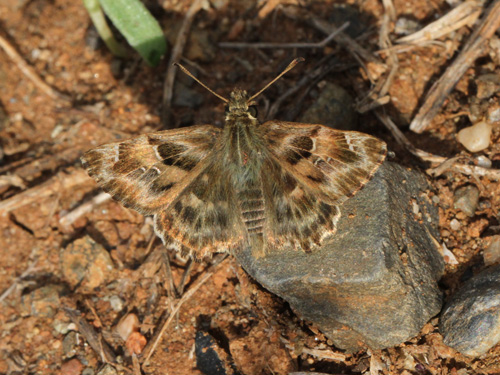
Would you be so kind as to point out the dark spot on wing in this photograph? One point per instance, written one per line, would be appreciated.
(304, 143)
(316, 178)
(189, 214)
(300, 147)
(178, 207)
(170, 152)
(158, 187)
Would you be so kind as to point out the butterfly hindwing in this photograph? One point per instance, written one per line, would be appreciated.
(148, 172)
(295, 216)
(332, 164)
(204, 219)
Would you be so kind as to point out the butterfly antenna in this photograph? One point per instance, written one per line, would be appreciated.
(288, 68)
(201, 83)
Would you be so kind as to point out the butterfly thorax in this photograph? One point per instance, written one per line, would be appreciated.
(243, 143)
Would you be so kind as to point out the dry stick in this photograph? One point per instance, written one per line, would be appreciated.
(60, 181)
(469, 170)
(30, 73)
(168, 87)
(82, 209)
(150, 348)
(31, 268)
(185, 275)
(463, 14)
(474, 47)
(321, 44)
(87, 331)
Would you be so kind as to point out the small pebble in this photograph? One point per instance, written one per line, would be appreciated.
(72, 367)
(455, 224)
(107, 370)
(491, 254)
(483, 161)
(476, 137)
(127, 325)
(466, 199)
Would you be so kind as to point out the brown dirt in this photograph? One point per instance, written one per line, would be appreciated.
(41, 140)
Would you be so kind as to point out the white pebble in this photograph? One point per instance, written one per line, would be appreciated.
(483, 161)
(476, 137)
(127, 325)
(491, 254)
(455, 224)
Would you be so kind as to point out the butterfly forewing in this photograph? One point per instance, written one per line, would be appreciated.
(331, 164)
(148, 172)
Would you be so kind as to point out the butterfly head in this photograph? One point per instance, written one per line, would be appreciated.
(240, 105)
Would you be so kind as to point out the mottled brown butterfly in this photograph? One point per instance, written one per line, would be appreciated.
(270, 186)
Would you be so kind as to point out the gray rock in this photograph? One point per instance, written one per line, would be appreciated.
(85, 264)
(374, 284)
(44, 301)
(334, 107)
(470, 322)
(466, 199)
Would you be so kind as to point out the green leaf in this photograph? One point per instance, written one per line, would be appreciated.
(137, 25)
(103, 29)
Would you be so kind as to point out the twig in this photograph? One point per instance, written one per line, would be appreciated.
(464, 14)
(321, 44)
(474, 47)
(87, 331)
(443, 162)
(31, 268)
(75, 214)
(59, 181)
(150, 348)
(30, 73)
(182, 37)
(185, 275)
(325, 354)
(469, 170)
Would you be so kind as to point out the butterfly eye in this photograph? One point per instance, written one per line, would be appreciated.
(252, 110)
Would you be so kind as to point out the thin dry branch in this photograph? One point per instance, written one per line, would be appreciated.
(321, 44)
(474, 48)
(150, 348)
(61, 181)
(182, 37)
(95, 341)
(462, 15)
(75, 214)
(30, 73)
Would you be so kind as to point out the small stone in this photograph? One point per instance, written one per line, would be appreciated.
(72, 367)
(375, 283)
(483, 161)
(85, 263)
(476, 137)
(88, 371)
(334, 107)
(487, 85)
(455, 224)
(116, 303)
(466, 199)
(491, 254)
(70, 344)
(44, 301)
(211, 359)
(107, 370)
(470, 322)
(127, 325)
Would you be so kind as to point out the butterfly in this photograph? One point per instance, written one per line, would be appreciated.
(271, 186)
